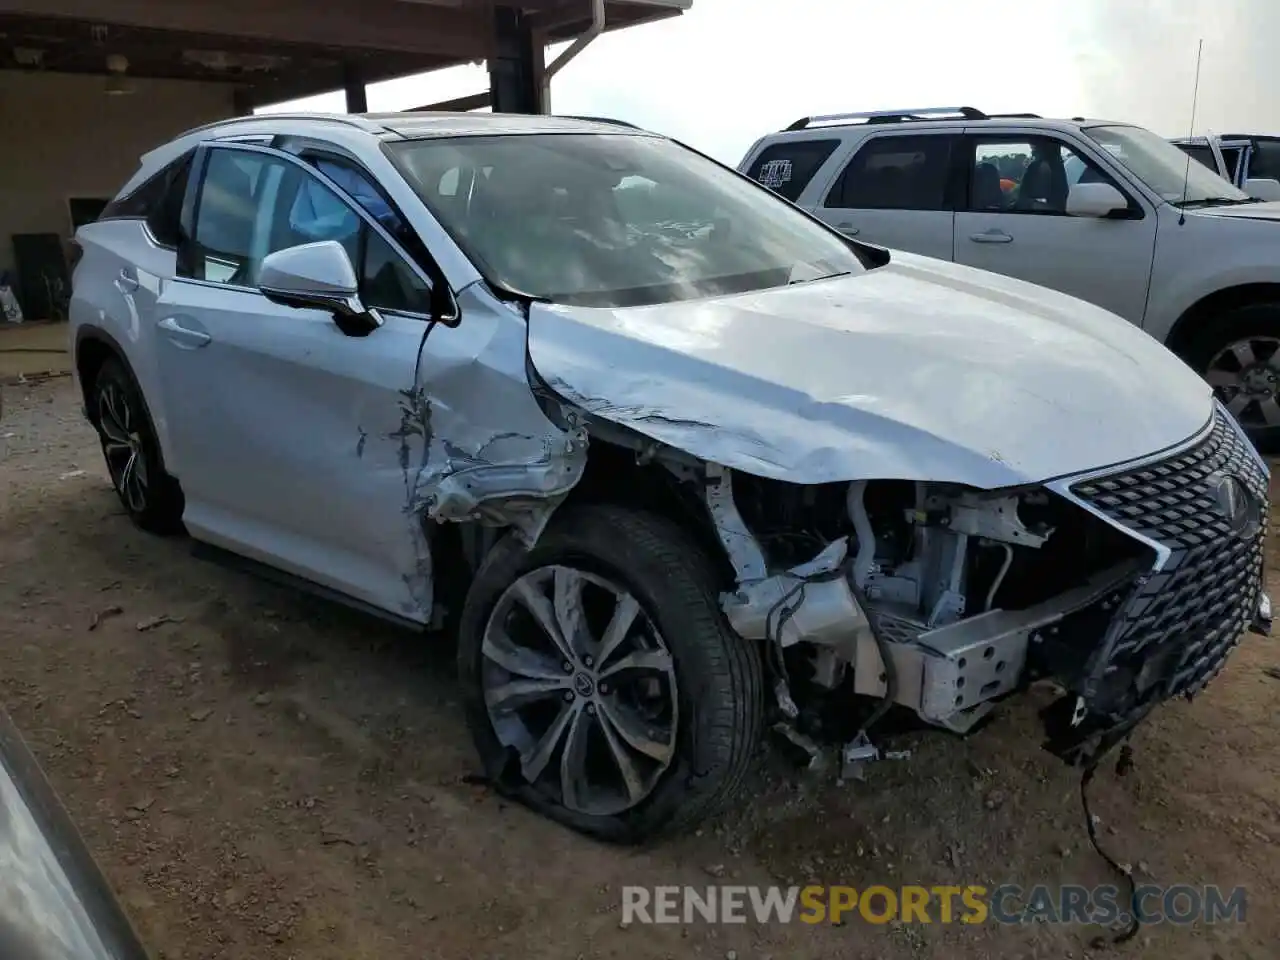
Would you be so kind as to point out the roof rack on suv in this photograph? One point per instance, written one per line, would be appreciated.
(350, 119)
(893, 116)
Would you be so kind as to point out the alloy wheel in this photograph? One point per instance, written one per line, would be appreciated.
(123, 446)
(581, 686)
(1245, 375)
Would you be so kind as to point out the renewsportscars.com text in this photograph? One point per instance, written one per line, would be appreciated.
(972, 904)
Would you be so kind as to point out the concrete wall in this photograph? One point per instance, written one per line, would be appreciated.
(61, 136)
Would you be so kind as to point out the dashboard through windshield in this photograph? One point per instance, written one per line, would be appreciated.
(614, 220)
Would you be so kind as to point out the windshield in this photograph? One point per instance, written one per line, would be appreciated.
(1163, 167)
(614, 220)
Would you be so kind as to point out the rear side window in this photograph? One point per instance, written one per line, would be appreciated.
(896, 173)
(158, 200)
(787, 167)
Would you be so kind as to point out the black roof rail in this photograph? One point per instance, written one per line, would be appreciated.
(1014, 116)
(893, 116)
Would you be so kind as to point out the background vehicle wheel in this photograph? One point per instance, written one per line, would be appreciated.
(150, 496)
(604, 688)
(1239, 355)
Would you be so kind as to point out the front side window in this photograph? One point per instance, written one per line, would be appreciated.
(364, 192)
(614, 219)
(233, 216)
(1021, 174)
(1163, 167)
(896, 173)
(253, 204)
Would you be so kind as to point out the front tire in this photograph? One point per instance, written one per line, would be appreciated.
(1239, 356)
(150, 497)
(604, 688)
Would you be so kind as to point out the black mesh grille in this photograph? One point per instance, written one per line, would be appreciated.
(1183, 621)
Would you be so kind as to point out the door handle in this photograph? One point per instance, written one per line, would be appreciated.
(848, 229)
(183, 337)
(991, 236)
(126, 282)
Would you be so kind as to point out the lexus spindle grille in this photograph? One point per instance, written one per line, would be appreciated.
(1190, 615)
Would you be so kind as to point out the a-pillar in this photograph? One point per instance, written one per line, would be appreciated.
(353, 86)
(517, 68)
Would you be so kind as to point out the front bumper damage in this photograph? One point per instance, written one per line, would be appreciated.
(1204, 510)
(1153, 626)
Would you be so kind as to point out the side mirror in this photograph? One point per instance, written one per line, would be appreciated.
(1262, 188)
(318, 276)
(1095, 200)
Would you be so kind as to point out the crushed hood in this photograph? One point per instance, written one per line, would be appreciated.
(917, 370)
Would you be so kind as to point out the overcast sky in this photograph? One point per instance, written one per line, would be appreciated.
(730, 70)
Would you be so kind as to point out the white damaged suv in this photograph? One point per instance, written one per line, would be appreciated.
(680, 457)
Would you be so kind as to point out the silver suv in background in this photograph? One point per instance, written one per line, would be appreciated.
(1108, 212)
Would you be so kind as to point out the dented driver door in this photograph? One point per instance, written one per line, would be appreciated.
(295, 444)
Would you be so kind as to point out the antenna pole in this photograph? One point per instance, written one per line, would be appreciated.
(1186, 178)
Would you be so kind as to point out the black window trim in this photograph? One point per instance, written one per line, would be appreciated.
(968, 153)
(191, 211)
(186, 160)
(950, 198)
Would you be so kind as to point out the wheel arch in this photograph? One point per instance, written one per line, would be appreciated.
(1192, 324)
(93, 348)
(613, 476)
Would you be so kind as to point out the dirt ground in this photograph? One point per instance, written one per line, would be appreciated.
(264, 775)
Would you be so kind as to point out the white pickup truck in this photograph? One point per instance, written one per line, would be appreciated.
(1250, 161)
(1108, 212)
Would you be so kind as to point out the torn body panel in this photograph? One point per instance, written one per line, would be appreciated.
(489, 453)
(347, 447)
(1125, 587)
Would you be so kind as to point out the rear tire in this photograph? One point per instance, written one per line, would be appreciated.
(687, 757)
(151, 498)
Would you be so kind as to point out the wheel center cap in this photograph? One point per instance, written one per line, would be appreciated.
(1259, 380)
(583, 685)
